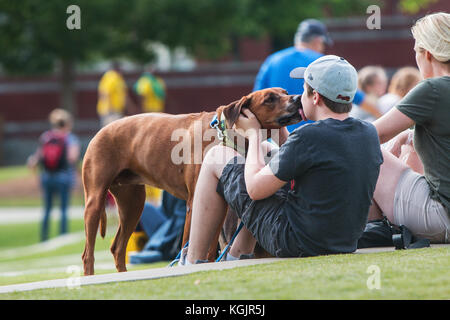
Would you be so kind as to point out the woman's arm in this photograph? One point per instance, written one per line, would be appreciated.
(391, 124)
(259, 178)
(73, 154)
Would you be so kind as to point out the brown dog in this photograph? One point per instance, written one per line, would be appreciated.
(138, 150)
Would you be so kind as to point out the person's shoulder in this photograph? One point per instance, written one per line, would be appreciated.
(311, 54)
(44, 135)
(364, 127)
(350, 122)
(438, 84)
(72, 139)
(427, 89)
(281, 55)
(445, 80)
(307, 129)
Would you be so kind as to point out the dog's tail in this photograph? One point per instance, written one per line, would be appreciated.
(103, 224)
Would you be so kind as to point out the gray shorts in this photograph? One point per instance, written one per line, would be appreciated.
(413, 207)
(263, 218)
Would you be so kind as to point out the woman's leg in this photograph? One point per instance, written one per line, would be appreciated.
(208, 208)
(47, 192)
(375, 212)
(390, 173)
(65, 200)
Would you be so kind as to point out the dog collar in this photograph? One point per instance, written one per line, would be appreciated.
(221, 128)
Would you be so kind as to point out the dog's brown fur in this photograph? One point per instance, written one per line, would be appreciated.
(136, 150)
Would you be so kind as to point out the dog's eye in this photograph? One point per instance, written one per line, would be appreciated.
(270, 99)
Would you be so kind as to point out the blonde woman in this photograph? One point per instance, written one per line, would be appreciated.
(403, 80)
(421, 202)
(373, 80)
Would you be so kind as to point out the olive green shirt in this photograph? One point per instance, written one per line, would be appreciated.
(428, 104)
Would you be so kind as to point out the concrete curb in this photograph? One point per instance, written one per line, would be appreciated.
(76, 282)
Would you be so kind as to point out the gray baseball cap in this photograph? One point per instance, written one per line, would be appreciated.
(331, 76)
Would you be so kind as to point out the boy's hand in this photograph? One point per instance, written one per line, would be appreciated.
(247, 124)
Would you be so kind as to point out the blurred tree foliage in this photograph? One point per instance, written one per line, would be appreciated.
(33, 34)
(34, 37)
(414, 6)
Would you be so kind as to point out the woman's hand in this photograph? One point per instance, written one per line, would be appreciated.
(397, 142)
(247, 124)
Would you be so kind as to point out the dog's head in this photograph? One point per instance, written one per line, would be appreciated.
(273, 107)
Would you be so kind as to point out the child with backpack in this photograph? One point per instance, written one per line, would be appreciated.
(57, 155)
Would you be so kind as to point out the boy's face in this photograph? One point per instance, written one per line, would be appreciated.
(309, 103)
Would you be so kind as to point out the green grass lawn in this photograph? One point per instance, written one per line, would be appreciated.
(409, 274)
(36, 201)
(13, 172)
(23, 234)
(10, 173)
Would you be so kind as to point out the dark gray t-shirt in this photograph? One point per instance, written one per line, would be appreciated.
(335, 166)
(428, 104)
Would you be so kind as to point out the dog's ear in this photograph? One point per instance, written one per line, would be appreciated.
(233, 110)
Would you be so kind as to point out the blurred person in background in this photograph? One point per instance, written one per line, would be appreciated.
(152, 92)
(402, 146)
(310, 42)
(372, 80)
(163, 226)
(405, 197)
(57, 155)
(113, 99)
(403, 80)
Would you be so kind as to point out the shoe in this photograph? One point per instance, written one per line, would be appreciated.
(241, 257)
(247, 256)
(183, 258)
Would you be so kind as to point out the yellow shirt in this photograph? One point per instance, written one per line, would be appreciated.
(112, 93)
(152, 101)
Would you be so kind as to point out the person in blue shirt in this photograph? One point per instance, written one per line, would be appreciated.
(310, 42)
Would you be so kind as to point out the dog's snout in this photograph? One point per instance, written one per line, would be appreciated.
(296, 102)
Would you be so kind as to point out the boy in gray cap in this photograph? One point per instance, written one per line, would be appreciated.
(313, 197)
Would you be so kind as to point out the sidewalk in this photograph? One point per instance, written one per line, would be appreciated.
(33, 214)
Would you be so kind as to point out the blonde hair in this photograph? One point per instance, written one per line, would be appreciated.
(432, 33)
(368, 74)
(404, 80)
(60, 118)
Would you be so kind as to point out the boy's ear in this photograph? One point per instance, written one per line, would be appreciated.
(316, 97)
(233, 110)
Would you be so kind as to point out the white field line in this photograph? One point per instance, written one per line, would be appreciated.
(57, 264)
(42, 247)
(25, 214)
(48, 245)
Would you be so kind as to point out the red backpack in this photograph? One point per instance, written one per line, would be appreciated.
(54, 150)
